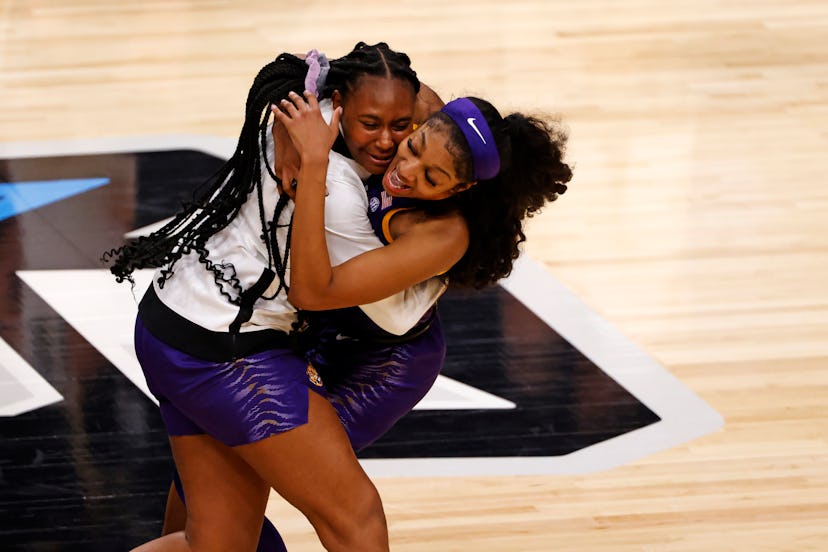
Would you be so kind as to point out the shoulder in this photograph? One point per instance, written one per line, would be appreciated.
(439, 241)
(449, 227)
(345, 198)
(340, 168)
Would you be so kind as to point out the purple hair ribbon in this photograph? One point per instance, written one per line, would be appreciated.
(318, 68)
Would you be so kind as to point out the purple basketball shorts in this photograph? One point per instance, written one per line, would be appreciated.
(371, 386)
(236, 402)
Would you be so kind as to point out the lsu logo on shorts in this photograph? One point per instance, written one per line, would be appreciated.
(313, 376)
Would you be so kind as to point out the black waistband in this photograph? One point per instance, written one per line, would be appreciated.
(421, 328)
(194, 340)
(353, 325)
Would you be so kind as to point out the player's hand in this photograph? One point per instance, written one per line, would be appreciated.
(311, 135)
(286, 159)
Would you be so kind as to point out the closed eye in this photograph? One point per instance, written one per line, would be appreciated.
(416, 154)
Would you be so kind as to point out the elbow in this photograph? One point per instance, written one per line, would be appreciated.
(299, 299)
(306, 301)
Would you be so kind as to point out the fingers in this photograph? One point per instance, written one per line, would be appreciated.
(294, 105)
(309, 133)
(279, 114)
(295, 102)
(290, 106)
(310, 97)
(288, 185)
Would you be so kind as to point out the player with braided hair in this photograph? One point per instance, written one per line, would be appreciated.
(216, 351)
(276, 226)
(400, 353)
(226, 191)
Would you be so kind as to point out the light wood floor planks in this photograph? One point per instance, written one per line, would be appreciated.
(697, 222)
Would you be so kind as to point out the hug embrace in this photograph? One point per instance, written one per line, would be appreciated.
(293, 319)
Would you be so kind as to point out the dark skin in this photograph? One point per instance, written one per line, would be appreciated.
(430, 245)
(287, 158)
(378, 118)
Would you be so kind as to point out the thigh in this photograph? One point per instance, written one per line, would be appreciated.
(226, 498)
(314, 468)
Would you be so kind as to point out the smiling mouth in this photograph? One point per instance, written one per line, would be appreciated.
(393, 183)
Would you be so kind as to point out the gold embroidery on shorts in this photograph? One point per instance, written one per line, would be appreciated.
(313, 376)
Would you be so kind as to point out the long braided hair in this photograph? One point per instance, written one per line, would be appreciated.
(217, 202)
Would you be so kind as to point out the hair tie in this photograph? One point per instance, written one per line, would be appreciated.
(472, 123)
(318, 68)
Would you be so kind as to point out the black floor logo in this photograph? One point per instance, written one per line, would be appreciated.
(530, 394)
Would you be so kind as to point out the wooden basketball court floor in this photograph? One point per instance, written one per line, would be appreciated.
(654, 375)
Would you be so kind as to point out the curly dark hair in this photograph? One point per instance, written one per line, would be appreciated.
(532, 173)
(217, 202)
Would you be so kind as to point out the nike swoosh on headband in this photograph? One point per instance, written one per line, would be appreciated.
(470, 120)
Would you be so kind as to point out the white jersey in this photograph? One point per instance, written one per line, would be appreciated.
(193, 293)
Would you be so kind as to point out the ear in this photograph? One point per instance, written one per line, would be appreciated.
(463, 186)
(336, 99)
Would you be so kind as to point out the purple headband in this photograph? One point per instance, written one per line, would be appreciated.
(485, 159)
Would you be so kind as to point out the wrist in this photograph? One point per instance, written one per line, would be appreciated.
(313, 171)
(313, 161)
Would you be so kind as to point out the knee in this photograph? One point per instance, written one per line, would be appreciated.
(359, 525)
(368, 507)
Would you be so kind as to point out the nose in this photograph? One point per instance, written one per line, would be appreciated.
(385, 142)
(407, 169)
